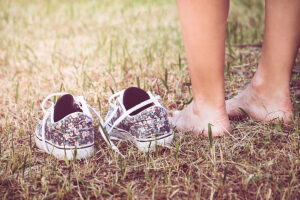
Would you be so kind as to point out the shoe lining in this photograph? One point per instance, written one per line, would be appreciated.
(65, 106)
(134, 96)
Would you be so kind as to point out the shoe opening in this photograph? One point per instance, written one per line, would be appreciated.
(134, 96)
(64, 106)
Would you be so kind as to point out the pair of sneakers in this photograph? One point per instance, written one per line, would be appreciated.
(67, 131)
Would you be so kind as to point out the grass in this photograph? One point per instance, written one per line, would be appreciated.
(95, 48)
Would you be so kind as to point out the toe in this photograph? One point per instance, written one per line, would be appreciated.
(173, 118)
(178, 123)
(174, 113)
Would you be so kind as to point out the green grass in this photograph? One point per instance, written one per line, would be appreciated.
(94, 48)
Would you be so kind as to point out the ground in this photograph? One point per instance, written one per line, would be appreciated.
(95, 48)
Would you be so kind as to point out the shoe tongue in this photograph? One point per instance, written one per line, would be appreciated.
(64, 106)
(134, 96)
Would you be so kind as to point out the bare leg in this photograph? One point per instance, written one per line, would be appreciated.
(268, 96)
(203, 24)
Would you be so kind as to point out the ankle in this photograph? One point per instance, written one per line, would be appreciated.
(269, 89)
(277, 97)
(201, 106)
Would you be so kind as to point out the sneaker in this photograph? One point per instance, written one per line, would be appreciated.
(137, 116)
(66, 128)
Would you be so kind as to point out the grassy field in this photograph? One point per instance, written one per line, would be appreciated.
(94, 48)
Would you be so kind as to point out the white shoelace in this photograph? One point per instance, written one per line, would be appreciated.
(116, 97)
(153, 99)
(105, 136)
(47, 112)
(46, 115)
(102, 127)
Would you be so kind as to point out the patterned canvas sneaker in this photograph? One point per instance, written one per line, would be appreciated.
(66, 128)
(137, 116)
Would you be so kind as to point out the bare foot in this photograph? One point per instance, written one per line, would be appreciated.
(196, 118)
(259, 106)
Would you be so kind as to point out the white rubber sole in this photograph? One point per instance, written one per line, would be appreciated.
(146, 146)
(69, 152)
